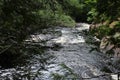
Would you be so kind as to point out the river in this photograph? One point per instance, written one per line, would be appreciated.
(61, 54)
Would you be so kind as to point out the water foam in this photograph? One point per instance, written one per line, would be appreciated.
(68, 37)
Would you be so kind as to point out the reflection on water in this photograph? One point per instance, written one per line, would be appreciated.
(56, 54)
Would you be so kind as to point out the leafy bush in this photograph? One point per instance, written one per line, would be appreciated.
(56, 18)
(101, 31)
(109, 7)
(64, 20)
(20, 18)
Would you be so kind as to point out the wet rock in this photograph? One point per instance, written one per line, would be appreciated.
(117, 52)
(109, 49)
(106, 22)
(113, 24)
(94, 26)
(82, 26)
(104, 42)
(118, 18)
(40, 37)
(96, 39)
(117, 35)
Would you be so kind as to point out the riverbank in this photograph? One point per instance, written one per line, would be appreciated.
(108, 34)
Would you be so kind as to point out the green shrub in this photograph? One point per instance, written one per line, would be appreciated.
(102, 31)
(56, 18)
(64, 20)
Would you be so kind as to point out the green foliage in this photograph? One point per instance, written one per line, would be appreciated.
(102, 31)
(80, 10)
(56, 18)
(72, 8)
(99, 10)
(116, 27)
(109, 7)
(20, 18)
(92, 15)
(116, 34)
(64, 20)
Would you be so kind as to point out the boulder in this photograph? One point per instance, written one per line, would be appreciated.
(110, 46)
(104, 42)
(117, 35)
(117, 52)
(94, 26)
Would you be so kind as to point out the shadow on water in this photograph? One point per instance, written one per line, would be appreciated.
(27, 66)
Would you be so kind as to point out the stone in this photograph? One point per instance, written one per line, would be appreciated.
(110, 46)
(104, 42)
(117, 35)
(117, 52)
(118, 18)
(106, 22)
(94, 26)
(112, 25)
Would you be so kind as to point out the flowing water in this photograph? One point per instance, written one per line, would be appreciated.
(60, 54)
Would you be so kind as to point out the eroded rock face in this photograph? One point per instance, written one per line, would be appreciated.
(106, 45)
(109, 45)
(113, 50)
(117, 52)
(94, 26)
(104, 42)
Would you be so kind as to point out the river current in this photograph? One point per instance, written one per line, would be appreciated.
(62, 54)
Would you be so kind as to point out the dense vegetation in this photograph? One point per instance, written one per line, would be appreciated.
(20, 18)
(107, 26)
